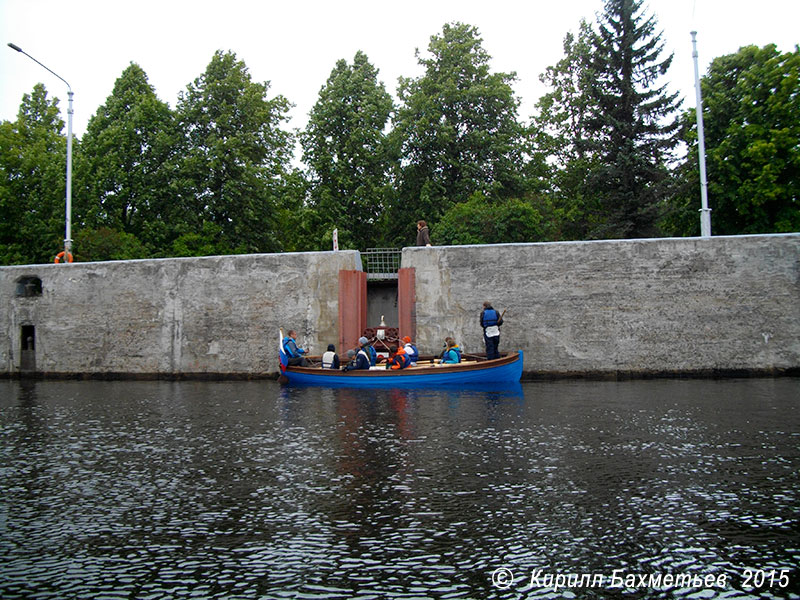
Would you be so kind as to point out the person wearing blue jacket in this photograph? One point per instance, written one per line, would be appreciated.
(491, 321)
(371, 352)
(362, 360)
(291, 349)
(452, 352)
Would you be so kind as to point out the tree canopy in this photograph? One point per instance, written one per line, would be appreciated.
(751, 113)
(457, 129)
(218, 172)
(348, 154)
(233, 157)
(126, 168)
(32, 181)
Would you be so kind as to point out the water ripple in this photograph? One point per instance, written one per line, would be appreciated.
(248, 490)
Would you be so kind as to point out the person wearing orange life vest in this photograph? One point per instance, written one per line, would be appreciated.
(411, 351)
(398, 359)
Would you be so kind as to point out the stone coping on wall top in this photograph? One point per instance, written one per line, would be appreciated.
(711, 239)
(359, 266)
(188, 258)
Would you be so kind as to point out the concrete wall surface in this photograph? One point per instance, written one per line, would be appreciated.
(639, 307)
(660, 306)
(215, 315)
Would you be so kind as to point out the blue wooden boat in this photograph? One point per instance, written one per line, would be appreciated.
(506, 369)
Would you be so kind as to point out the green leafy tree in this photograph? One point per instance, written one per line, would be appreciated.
(234, 155)
(127, 165)
(348, 155)
(751, 113)
(480, 221)
(206, 242)
(32, 182)
(297, 223)
(458, 132)
(561, 135)
(563, 113)
(632, 124)
(105, 243)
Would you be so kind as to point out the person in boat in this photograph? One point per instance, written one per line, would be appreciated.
(291, 349)
(361, 358)
(371, 352)
(411, 351)
(452, 352)
(398, 358)
(330, 360)
(491, 321)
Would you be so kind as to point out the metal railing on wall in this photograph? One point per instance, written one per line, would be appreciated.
(381, 263)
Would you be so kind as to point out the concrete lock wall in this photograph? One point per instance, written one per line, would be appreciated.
(662, 306)
(170, 317)
(639, 307)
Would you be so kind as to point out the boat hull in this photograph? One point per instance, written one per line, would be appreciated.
(507, 369)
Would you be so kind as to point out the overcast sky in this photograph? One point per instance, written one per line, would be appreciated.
(295, 44)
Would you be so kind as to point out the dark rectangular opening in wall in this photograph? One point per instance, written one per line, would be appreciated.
(382, 302)
(29, 287)
(28, 338)
(27, 344)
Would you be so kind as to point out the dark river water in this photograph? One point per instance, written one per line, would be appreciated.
(636, 489)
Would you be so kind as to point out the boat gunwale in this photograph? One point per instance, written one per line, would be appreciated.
(510, 358)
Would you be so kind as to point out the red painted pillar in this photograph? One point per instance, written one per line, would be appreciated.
(352, 308)
(407, 303)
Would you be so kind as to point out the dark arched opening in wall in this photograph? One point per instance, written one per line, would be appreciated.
(27, 346)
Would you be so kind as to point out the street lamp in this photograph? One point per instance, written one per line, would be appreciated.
(68, 230)
(705, 212)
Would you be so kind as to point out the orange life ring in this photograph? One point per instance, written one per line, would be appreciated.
(60, 255)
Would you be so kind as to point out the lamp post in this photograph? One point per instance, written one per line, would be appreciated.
(705, 212)
(68, 227)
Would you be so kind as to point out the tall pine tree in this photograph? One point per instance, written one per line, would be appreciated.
(632, 122)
